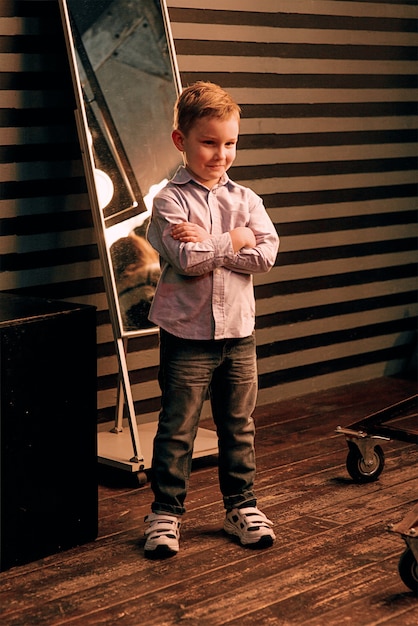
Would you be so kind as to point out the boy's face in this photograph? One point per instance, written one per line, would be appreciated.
(209, 148)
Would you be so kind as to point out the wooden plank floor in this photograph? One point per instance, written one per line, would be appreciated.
(333, 563)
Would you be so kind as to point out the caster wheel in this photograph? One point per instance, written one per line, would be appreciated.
(357, 468)
(142, 479)
(408, 570)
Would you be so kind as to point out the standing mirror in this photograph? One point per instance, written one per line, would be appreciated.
(126, 82)
(129, 84)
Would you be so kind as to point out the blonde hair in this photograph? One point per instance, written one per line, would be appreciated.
(131, 253)
(203, 99)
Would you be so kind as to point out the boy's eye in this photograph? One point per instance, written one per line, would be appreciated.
(228, 144)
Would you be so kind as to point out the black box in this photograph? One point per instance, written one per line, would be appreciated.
(48, 427)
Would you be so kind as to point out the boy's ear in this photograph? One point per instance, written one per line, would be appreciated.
(178, 139)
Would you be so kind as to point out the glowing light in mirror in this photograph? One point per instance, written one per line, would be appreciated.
(104, 187)
(113, 233)
(154, 189)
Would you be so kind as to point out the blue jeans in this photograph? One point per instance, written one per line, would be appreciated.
(190, 372)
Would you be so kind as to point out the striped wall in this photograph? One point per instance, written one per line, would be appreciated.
(328, 91)
(47, 242)
(328, 139)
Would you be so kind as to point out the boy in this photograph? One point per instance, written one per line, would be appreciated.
(212, 235)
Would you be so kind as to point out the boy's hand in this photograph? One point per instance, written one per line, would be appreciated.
(188, 232)
(242, 237)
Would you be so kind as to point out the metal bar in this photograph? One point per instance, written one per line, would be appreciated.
(369, 423)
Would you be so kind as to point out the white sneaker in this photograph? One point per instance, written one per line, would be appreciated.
(251, 526)
(162, 535)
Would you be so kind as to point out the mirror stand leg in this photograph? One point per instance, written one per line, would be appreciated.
(127, 396)
(120, 402)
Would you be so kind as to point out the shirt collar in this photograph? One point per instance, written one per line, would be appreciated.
(183, 176)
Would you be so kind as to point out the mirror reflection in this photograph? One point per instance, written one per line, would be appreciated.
(129, 89)
(137, 269)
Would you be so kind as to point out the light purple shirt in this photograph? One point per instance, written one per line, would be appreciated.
(206, 289)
